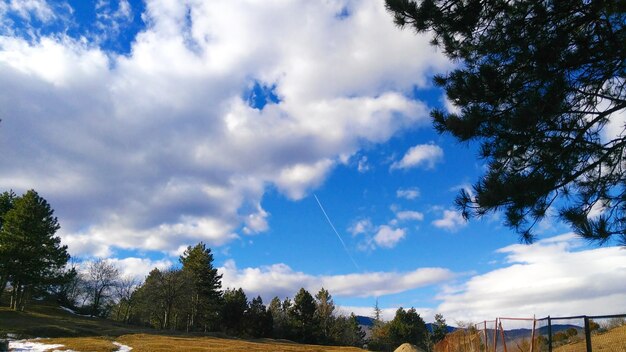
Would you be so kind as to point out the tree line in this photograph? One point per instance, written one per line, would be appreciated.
(33, 263)
(188, 297)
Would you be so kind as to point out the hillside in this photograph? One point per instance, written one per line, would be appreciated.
(47, 319)
(613, 340)
(57, 326)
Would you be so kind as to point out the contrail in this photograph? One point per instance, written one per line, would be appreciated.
(336, 232)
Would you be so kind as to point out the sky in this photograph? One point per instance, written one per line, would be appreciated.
(291, 137)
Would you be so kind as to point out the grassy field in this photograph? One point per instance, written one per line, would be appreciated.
(613, 340)
(158, 343)
(56, 326)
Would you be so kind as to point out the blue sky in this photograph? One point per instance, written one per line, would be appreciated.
(150, 126)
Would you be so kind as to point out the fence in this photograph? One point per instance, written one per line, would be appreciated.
(583, 333)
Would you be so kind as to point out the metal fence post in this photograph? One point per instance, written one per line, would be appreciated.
(549, 334)
(587, 334)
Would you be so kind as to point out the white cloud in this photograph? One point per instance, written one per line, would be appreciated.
(383, 236)
(556, 276)
(388, 237)
(131, 267)
(282, 281)
(110, 19)
(360, 227)
(408, 193)
(423, 155)
(158, 148)
(452, 220)
(409, 215)
(451, 108)
(363, 166)
(39, 9)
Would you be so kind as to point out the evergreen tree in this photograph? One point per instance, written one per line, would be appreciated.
(408, 326)
(440, 329)
(258, 320)
(537, 85)
(205, 292)
(281, 327)
(6, 204)
(324, 308)
(345, 331)
(30, 254)
(303, 314)
(234, 307)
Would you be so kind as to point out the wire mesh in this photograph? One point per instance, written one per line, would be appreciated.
(568, 334)
(550, 334)
(608, 333)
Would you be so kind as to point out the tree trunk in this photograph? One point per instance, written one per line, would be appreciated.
(3, 285)
(24, 296)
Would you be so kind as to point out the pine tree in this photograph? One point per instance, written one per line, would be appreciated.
(31, 254)
(538, 85)
(324, 308)
(440, 329)
(234, 308)
(303, 313)
(6, 203)
(205, 293)
(258, 320)
(408, 326)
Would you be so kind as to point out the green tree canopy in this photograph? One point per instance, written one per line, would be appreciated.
(440, 329)
(258, 320)
(325, 306)
(536, 85)
(303, 314)
(206, 287)
(30, 253)
(408, 326)
(235, 305)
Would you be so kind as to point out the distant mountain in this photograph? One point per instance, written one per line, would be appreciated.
(431, 326)
(369, 322)
(365, 321)
(515, 334)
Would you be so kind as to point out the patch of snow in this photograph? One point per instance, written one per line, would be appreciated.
(73, 312)
(122, 348)
(29, 346)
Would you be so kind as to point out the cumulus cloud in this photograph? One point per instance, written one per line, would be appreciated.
(282, 281)
(452, 220)
(556, 276)
(133, 268)
(160, 148)
(408, 193)
(423, 155)
(361, 226)
(388, 237)
(409, 215)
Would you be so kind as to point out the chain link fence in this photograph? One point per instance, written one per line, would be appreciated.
(551, 334)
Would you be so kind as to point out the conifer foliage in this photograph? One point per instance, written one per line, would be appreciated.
(31, 256)
(541, 86)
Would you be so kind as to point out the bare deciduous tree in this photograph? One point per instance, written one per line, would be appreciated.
(101, 279)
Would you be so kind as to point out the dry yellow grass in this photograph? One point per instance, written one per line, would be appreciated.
(613, 340)
(156, 343)
(92, 344)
